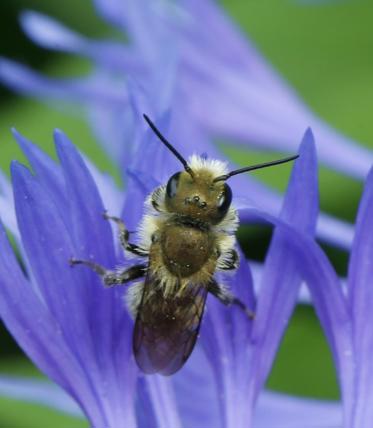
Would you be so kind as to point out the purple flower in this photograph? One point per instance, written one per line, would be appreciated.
(345, 312)
(79, 334)
(192, 58)
(344, 309)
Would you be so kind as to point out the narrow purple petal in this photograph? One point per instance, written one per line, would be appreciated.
(40, 392)
(225, 336)
(112, 10)
(329, 229)
(105, 311)
(151, 165)
(144, 406)
(69, 293)
(112, 196)
(281, 279)
(215, 339)
(196, 392)
(328, 298)
(90, 227)
(51, 34)
(294, 412)
(304, 296)
(220, 28)
(45, 237)
(248, 189)
(45, 168)
(334, 231)
(116, 140)
(20, 307)
(330, 304)
(136, 19)
(162, 396)
(7, 212)
(5, 186)
(38, 332)
(340, 152)
(133, 18)
(360, 296)
(93, 89)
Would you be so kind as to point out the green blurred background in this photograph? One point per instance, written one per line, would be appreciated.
(323, 50)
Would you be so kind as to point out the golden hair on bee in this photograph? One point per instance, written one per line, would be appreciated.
(186, 236)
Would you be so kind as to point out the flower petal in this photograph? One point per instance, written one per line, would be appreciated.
(70, 294)
(93, 89)
(84, 200)
(39, 392)
(112, 342)
(275, 410)
(196, 392)
(329, 229)
(116, 140)
(328, 299)
(7, 213)
(281, 279)
(360, 297)
(45, 237)
(225, 336)
(112, 196)
(111, 10)
(38, 332)
(248, 101)
(304, 297)
(51, 34)
(220, 27)
(45, 168)
(163, 399)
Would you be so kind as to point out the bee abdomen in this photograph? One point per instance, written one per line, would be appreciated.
(185, 249)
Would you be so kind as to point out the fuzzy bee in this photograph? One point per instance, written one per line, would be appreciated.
(187, 234)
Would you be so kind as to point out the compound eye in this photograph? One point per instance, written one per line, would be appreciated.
(225, 200)
(172, 185)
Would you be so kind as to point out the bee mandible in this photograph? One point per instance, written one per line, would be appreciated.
(186, 235)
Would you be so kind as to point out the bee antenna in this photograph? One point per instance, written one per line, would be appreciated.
(156, 131)
(253, 167)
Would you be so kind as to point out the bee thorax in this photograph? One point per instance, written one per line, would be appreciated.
(185, 249)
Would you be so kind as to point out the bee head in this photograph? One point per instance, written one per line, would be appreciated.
(201, 191)
(198, 196)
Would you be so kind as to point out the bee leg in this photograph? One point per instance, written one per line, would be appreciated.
(94, 266)
(124, 236)
(109, 277)
(228, 299)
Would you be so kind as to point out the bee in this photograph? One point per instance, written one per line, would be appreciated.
(187, 234)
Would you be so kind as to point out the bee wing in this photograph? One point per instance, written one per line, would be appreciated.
(166, 329)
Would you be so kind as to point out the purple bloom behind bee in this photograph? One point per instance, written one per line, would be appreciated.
(191, 57)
